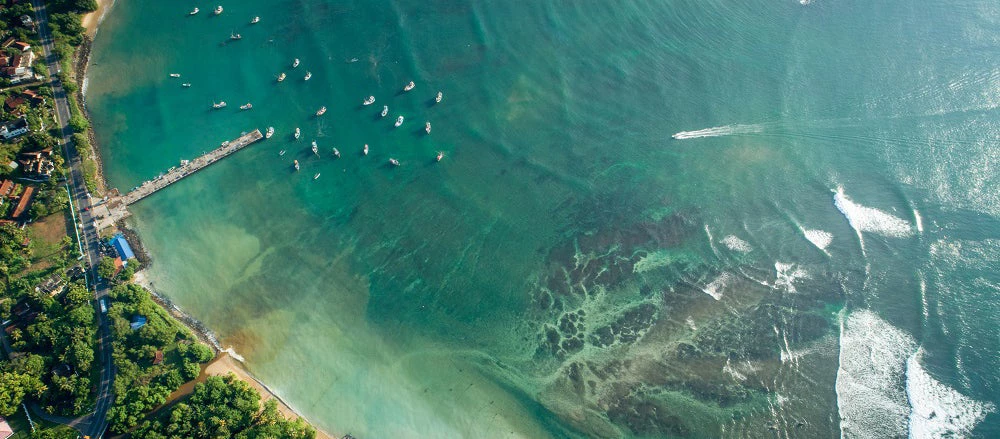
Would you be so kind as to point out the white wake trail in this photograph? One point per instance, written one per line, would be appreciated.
(727, 130)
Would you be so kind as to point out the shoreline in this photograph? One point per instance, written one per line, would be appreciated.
(226, 360)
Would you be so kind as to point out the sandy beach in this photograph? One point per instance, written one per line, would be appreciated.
(92, 20)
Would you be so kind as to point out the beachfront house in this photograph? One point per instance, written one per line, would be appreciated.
(122, 248)
(5, 430)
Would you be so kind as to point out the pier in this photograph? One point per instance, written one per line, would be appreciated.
(115, 208)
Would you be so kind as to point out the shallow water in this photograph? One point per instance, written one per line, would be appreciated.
(568, 269)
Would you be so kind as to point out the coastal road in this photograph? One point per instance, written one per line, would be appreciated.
(93, 424)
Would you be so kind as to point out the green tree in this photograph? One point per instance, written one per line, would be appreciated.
(200, 353)
(106, 268)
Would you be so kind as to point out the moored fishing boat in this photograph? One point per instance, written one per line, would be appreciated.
(270, 132)
(219, 104)
(186, 84)
(409, 86)
(336, 153)
(315, 148)
(218, 10)
(427, 127)
(295, 63)
(296, 164)
(281, 77)
(393, 162)
(370, 100)
(255, 20)
(440, 156)
(365, 151)
(194, 11)
(321, 111)
(438, 97)
(399, 121)
(308, 75)
(385, 110)
(175, 75)
(281, 153)
(246, 106)
(297, 133)
(316, 176)
(233, 36)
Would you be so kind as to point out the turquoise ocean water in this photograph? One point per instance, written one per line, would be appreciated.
(814, 255)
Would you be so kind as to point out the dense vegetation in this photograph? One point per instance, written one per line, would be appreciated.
(140, 384)
(224, 407)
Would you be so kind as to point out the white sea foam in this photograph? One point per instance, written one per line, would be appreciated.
(821, 239)
(736, 244)
(938, 410)
(714, 288)
(727, 130)
(884, 392)
(868, 219)
(871, 397)
(786, 274)
(232, 353)
(918, 220)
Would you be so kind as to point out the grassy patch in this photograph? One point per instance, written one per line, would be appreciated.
(47, 240)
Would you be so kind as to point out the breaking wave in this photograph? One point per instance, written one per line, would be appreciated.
(821, 239)
(736, 244)
(714, 288)
(938, 410)
(727, 130)
(868, 219)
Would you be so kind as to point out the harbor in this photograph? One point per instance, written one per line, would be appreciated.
(116, 207)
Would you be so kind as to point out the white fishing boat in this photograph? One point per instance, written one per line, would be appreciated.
(399, 121)
(438, 97)
(219, 104)
(308, 75)
(321, 111)
(370, 100)
(281, 77)
(295, 63)
(194, 11)
(440, 156)
(393, 162)
(246, 106)
(427, 127)
(281, 153)
(385, 110)
(409, 86)
(316, 176)
(186, 84)
(255, 20)
(336, 153)
(315, 148)
(296, 164)
(270, 132)
(297, 133)
(218, 10)
(365, 151)
(235, 36)
(175, 75)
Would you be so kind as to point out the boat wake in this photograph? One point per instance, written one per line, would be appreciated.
(727, 130)
(883, 391)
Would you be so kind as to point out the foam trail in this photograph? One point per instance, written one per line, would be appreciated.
(870, 391)
(871, 220)
(820, 238)
(736, 244)
(786, 274)
(918, 220)
(714, 288)
(727, 130)
(938, 410)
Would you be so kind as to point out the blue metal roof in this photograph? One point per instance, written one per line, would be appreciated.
(121, 246)
(138, 322)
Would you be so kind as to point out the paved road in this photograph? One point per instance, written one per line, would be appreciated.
(96, 423)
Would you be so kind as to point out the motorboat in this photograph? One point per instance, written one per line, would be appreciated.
(297, 133)
(369, 101)
(440, 156)
(316, 176)
(427, 127)
(218, 10)
(393, 162)
(235, 36)
(246, 106)
(399, 121)
(385, 110)
(281, 77)
(295, 63)
(308, 75)
(186, 84)
(296, 164)
(336, 153)
(321, 111)
(438, 97)
(365, 151)
(175, 75)
(255, 20)
(409, 86)
(219, 105)
(270, 132)
(194, 11)
(315, 148)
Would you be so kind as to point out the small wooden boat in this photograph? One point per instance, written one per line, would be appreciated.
(365, 151)
(370, 100)
(393, 162)
(440, 156)
(321, 111)
(438, 97)
(385, 110)
(409, 86)
(427, 127)
(399, 121)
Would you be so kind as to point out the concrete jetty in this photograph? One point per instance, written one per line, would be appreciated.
(115, 208)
